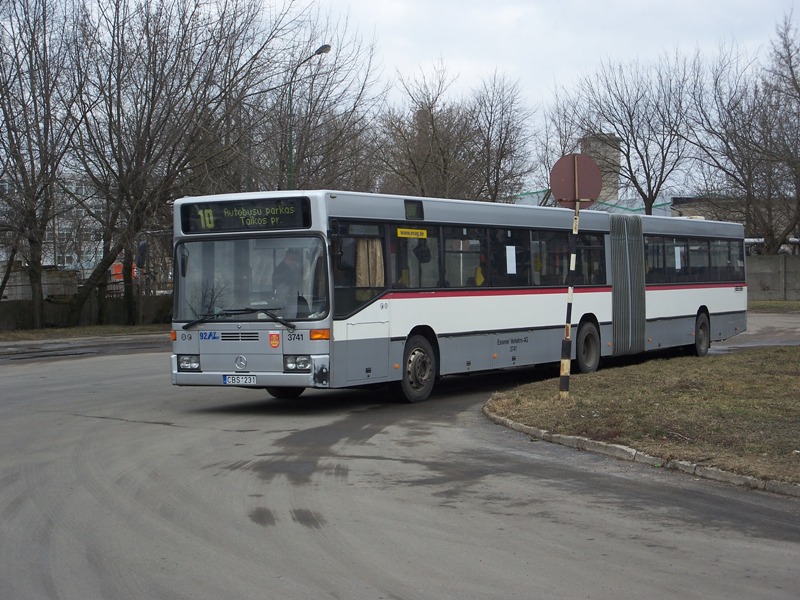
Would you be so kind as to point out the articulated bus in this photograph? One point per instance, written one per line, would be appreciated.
(291, 290)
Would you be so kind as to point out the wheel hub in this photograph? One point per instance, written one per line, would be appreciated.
(419, 368)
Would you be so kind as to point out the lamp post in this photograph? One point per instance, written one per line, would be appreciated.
(324, 49)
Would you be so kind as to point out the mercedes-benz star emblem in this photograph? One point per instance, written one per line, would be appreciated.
(241, 362)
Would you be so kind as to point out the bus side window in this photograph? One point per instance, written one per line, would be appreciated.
(369, 263)
(553, 257)
(654, 259)
(699, 260)
(723, 260)
(346, 255)
(590, 265)
(510, 257)
(465, 257)
(358, 268)
(414, 257)
(343, 270)
(737, 260)
(676, 252)
(358, 262)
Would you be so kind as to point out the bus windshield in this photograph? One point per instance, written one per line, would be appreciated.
(275, 279)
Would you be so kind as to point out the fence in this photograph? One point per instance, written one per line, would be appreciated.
(773, 277)
(18, 314)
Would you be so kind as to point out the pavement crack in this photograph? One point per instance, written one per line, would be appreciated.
(164, 423)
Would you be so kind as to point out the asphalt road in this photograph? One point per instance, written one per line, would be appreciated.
(116, 485)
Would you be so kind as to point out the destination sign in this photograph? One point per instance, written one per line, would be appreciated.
(245, 215)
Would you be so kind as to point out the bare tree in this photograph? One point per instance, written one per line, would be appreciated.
(336, 117)
(320, 122)
(475, 148)
(726, 104)
(417, 146)
(320, 103)
(163, 78)
(560, 136)
(745, 130)
(426, 148)
(9, 239)
(642, 108)
(502, 139)
(781, 83)
(36, 97)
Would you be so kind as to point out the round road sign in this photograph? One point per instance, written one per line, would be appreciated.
(575, 177)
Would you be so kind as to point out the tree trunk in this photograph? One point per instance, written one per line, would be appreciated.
(34, 270)
(128, 291)
(102, 301)
(9, 267)
(99, 274)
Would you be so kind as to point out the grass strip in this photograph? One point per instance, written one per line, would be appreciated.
(738, 411)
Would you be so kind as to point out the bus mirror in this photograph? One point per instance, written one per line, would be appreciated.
(347, 254)
(184, 260)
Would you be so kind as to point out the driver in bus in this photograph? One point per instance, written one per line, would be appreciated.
(288, 272)
(286, 281)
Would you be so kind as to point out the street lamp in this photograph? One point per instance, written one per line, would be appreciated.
(324, 49)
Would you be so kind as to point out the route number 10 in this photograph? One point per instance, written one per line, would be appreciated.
(206, 218)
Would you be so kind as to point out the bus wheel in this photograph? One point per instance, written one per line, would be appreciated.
(285, 393)
(419, 373)
(702, 335)
(587, 351)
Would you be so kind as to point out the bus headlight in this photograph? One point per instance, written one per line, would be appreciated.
(294, 363)
(188, 362)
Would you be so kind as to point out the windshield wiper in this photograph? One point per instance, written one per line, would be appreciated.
(288, 324)
(210, 316)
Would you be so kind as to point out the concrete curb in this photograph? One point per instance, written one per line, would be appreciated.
(631, 454)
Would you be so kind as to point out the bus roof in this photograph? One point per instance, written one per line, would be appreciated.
(369, 206)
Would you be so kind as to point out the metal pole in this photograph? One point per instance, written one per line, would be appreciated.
(566, 344)
(324, 49)
(564, 180)
(291, 121)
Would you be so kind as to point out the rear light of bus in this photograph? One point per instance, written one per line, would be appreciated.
(188, 362)
(294, 363)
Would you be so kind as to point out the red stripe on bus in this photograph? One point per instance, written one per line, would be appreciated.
(694, 286)
(395, 294)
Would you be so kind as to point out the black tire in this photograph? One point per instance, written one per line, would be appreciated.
(587, 349)
(419, 369)
(702, 335)
(285, 393)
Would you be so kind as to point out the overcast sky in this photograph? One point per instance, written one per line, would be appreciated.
(544, 43)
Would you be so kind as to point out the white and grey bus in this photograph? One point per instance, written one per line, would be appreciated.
(290, 290)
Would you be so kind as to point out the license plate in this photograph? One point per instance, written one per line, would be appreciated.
(238, 380)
